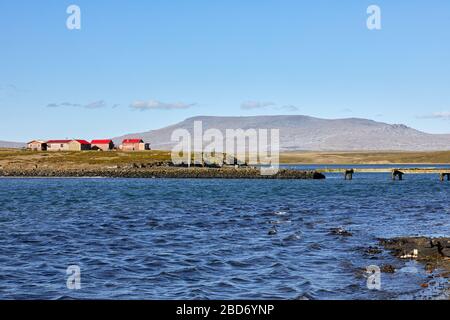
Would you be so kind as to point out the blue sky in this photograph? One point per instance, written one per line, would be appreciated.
(141, 65)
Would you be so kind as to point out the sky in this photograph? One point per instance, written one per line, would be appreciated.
(141, 65)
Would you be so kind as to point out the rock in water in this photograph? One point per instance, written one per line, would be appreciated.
(434, 253)
(340, 232)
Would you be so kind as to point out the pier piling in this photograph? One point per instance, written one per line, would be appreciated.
(397, 174)
(348, 174)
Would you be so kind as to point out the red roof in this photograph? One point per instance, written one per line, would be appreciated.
(101, 141)
(132, 141)
(81, 141)
(58, 141)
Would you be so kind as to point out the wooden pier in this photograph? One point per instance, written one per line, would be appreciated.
(396, 173)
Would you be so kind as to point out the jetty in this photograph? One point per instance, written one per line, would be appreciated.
(159, 171)
(395, 173)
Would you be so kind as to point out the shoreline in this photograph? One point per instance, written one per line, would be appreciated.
(365, 164)
(11, 159)
(162, 172)
(432, 253)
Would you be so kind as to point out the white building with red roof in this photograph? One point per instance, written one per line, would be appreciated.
(134, 145)
(104, 145)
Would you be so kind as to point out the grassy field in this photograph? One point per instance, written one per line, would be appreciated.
(381, 157)
(14, 157)
(11, 157)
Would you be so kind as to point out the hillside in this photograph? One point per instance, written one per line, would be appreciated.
(299, 133)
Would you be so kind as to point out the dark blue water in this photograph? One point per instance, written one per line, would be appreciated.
(208, 239)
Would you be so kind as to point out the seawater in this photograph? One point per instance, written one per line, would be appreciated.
(208, 239)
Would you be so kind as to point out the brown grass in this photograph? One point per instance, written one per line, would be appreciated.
(74, 158)
(16, 157)
(366, 157)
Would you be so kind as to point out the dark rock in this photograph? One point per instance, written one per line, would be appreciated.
(433, 252)
(315, 246)
(340, 232)
(372, 250)
(420, 248)
(387, 268)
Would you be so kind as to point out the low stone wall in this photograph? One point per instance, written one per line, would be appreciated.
(162, 172)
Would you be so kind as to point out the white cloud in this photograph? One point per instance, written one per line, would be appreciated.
(92, 105)
(68, 104)
(154, 104)
(253, 104)
(249, 105)
(96, 105)
(437, 115)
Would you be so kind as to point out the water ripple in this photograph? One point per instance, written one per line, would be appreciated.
(209, 239)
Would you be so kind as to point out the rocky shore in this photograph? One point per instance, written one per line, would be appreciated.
(433, 253)
(136, 171)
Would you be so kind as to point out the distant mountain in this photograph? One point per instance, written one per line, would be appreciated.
(8, 144)
(307, 133)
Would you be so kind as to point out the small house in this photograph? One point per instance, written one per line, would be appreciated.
(58, 145)
(37, 145)
(134, 145)
(79, 145)
(103, 145)
(68, 145)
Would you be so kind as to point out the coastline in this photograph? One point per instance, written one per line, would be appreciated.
(157, 164)
(432, 253)
(394, 164)
(160, 172)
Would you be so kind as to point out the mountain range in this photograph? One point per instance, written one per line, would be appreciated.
(298, 132)
(8, 144)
